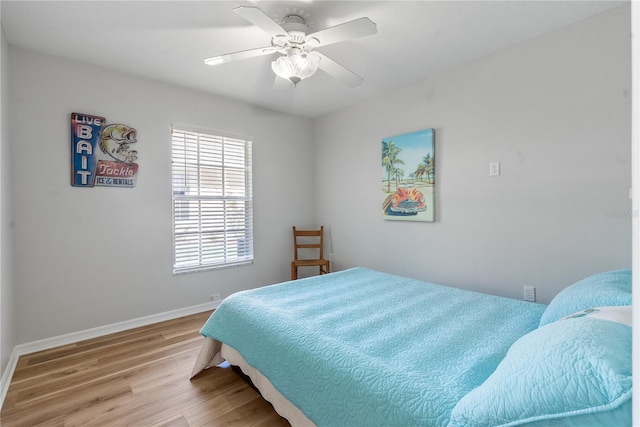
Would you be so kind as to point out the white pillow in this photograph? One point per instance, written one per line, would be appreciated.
(621, 314)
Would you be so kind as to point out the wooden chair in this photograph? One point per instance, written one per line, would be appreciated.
(305, 240)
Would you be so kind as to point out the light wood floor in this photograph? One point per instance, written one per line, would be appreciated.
(138, 377)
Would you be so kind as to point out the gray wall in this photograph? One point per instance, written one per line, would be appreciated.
(6, 278)
(556, 112)
(88, 257)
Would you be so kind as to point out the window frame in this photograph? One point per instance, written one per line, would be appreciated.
(211, 199)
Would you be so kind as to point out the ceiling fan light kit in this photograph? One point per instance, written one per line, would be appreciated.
(295, 67)
(292, 39)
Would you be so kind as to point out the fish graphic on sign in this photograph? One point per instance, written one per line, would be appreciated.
(101, 153)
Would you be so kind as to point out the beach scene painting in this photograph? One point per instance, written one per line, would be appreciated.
(409, 176)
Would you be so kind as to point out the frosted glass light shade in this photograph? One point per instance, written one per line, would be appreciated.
(294, 67)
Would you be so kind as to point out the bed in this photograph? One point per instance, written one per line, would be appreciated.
(364, 348)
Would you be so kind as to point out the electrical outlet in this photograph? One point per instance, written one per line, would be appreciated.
(331, 257)
(494, 169)
(529, 293)
(215, 297)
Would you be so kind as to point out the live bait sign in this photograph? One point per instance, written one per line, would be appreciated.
(101, 153)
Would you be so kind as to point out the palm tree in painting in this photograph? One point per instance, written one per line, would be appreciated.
(399, 174)
(430, 170)
(420, 171)
(390, 159)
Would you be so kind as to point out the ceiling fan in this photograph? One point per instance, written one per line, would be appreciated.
(294, 40)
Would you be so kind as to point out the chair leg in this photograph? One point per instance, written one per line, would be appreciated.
(325, 269)
(294, 271)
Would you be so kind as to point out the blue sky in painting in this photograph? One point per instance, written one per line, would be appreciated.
(414, 146)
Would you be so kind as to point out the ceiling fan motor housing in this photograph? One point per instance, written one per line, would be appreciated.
(297, 30)
(295, 23)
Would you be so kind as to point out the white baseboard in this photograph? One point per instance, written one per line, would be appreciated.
(47, 343)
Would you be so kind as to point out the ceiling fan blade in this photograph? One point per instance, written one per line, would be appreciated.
(338, 71)
(236, 56)
(261, 20)
(349, 30)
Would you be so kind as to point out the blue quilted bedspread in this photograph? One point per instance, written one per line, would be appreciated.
(364, 348)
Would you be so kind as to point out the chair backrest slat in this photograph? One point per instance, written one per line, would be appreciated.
(319, 245)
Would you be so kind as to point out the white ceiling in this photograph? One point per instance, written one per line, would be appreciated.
(168, 40)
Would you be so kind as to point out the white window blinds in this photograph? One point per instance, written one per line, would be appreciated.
(212, 201)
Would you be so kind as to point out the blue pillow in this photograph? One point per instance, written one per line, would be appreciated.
(574, 372)
(610, 288)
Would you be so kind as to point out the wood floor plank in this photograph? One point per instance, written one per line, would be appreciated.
(138, 377)
(82, 399)
(186, 358)
(55, 382)
(148, 408)
(273, 420)
(220, 405)
(249, 414)
(108, 364)
(174, 421)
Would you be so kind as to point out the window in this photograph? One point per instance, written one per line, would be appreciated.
(212, 201)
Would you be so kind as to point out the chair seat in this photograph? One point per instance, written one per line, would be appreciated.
(310, 262)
